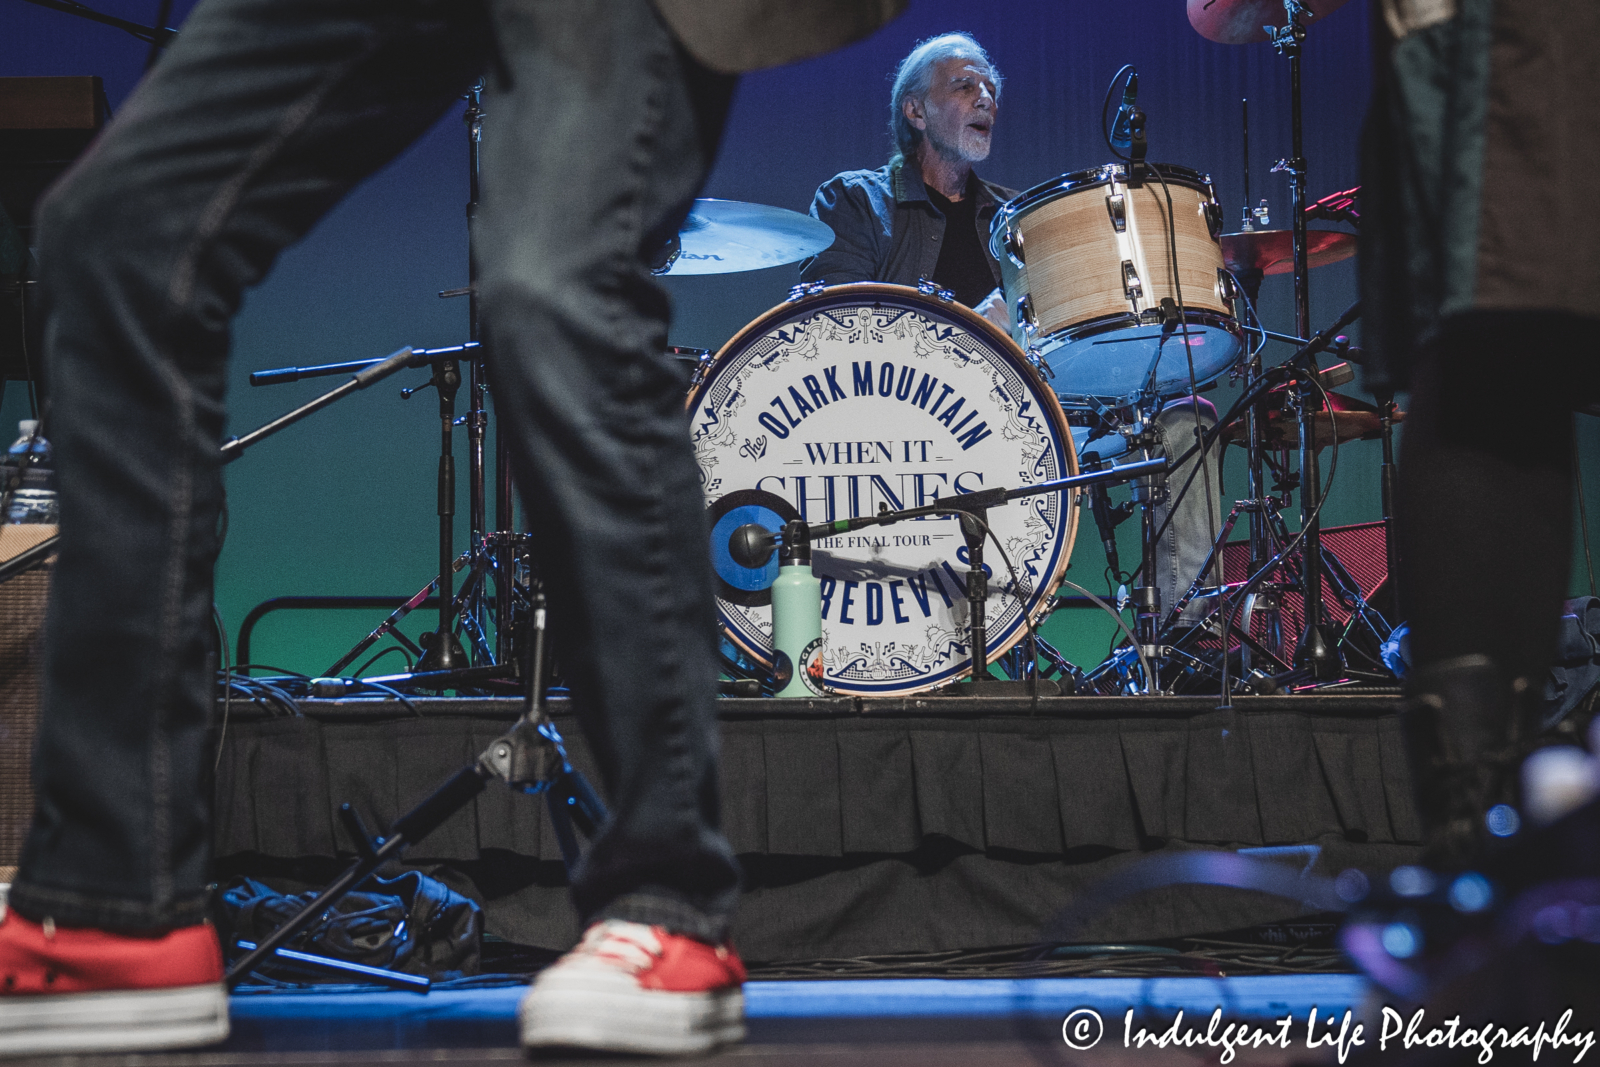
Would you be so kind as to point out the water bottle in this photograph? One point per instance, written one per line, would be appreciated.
(34, 500)
(797, 614)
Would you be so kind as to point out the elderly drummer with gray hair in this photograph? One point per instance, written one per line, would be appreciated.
(925, 214)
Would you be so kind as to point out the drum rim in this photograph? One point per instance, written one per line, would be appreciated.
(1050, 404)
(1127, 320)
(1078, 180)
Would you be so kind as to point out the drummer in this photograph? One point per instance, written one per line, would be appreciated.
(925, 214)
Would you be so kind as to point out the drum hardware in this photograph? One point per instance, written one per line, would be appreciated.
(753, 545)
(803, 290)
(529, 758)
(496, 554)
(928, 287)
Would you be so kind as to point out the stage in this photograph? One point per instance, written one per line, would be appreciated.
(870, 827)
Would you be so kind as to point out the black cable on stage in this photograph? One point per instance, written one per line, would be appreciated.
(391, 649)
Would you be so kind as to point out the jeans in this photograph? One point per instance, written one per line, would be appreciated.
(264, 113)
(1196, 521)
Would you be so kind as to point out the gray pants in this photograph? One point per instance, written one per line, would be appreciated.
(1196, 519)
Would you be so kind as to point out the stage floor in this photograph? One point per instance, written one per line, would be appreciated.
(924, 1022)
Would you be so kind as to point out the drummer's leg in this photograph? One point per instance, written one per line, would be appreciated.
(605, 132)
(1197, 515)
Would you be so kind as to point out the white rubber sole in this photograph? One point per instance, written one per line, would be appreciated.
(633, 1020)
(122, 1021)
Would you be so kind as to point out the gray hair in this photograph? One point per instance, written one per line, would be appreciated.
(915, 77)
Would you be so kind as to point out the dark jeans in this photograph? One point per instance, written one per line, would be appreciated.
(599, 132)
(1485, 507)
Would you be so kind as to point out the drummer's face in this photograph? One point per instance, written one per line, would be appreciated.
(957, 114)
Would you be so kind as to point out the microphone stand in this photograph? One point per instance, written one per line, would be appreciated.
(753, 543)
(530, 758)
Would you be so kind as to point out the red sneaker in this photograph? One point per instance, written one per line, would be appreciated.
(77, 989)
(628, 987)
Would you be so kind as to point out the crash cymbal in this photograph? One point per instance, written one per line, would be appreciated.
(1353, 418)
(1241, 21)
(725, 236)
(1272, 251)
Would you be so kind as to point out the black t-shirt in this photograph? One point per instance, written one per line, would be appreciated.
(963, 266)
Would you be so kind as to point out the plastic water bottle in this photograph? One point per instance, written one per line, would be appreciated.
(34, 500)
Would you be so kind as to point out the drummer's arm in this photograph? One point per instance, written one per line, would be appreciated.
(855, 255)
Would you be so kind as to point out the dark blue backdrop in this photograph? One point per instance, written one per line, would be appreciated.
(344, 504)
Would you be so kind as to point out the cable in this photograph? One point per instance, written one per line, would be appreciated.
(1144, 664)
(392, 648)
(227, 679)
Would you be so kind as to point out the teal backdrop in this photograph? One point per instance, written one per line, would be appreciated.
(344, 503)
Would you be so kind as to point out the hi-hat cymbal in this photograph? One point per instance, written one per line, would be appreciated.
(1272, 251)
(725, 236)
(1241, 21)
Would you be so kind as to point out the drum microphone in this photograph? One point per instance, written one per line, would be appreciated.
(1122, 129)
(1100, 503)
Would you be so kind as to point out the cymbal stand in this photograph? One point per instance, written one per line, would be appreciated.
(1315, 652)
(493, 553)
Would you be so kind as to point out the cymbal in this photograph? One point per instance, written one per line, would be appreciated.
(725, 236)
(1272, 251)
(1353, 418)
(1240, 21)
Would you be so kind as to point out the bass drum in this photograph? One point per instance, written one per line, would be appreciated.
(852, 398)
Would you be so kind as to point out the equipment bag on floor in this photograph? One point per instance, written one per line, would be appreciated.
(409, 923)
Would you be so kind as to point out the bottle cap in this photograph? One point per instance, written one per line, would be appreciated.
(796, 546)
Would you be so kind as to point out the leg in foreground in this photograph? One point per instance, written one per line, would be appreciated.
(259, 119)
(598, 114)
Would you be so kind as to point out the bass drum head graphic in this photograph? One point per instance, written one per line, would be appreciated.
(866, 396)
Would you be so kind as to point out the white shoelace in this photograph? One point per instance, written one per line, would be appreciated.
(633, 947)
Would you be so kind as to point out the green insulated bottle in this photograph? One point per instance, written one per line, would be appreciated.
(797, 614)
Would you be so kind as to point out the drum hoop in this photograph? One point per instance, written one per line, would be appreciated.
(857, 294)
(1079, 180)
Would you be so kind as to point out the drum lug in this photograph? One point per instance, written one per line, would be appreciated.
(803, 290)
(1025, 315)
(1036, 357)
(1012, 243)
(1132, 288)
(930, 288)
(1211, 211)
(1117, 208)
(1227, 290)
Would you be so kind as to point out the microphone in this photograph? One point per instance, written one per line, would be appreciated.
(1122, 130)
(1100, 503)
